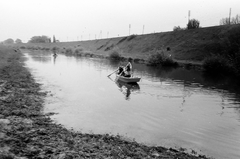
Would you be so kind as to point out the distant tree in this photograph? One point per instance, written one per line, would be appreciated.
(227, 21)
(236, 20)
(8, 41)
(177, 28)
(39, 39)
(193, 24)
(18, 41)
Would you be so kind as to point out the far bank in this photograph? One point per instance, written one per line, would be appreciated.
(192, 45)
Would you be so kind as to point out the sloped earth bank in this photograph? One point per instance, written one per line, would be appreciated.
(25, 132)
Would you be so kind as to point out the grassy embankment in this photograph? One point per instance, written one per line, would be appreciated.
(186, 46)
(25, 132)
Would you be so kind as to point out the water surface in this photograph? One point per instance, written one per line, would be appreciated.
(168, 107)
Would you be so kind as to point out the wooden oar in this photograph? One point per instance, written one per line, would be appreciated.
(113, 72)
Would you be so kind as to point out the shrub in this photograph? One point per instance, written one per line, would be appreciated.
(130, 59)
(235, 62)
(47, 49)
(69, 51)
(55, 48)
(233, 41)
(115, 55)
(160, 58)
(78, 51)
(216, 65)
(169, 62)
(226, 53)
(39, 39)
(177, 28)
(193, 24)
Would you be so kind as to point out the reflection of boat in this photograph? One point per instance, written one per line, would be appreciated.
(54, 57)
(128, 79)
(127, 88)
(131, 86)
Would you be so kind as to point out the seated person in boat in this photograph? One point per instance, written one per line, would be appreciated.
(120, 71)
(127, 71)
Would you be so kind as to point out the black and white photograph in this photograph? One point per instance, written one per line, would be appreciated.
(119, 79)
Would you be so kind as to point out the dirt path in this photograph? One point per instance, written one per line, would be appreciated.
(25, 132)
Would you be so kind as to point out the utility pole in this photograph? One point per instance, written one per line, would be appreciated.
(143, 30)
(189, 13)
(100, 35)
(129, 28)
(230, 16)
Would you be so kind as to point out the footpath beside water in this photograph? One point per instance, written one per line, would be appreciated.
(25, 132)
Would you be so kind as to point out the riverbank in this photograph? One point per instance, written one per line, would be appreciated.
(26, 132)
(187, 47)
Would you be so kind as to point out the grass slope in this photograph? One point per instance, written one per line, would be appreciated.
(186, 45)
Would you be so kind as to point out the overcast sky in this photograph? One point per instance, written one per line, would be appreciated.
(71, 20)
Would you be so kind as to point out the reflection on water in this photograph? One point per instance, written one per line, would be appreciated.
(54, 59)
(127, 88)
(168, 107)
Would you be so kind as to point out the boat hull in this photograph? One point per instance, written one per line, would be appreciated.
(128, 79)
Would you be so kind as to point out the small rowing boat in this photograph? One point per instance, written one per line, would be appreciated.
(124, 74)
(128, 79)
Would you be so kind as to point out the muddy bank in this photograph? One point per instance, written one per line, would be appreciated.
(25, 132)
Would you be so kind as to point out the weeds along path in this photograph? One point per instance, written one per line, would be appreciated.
(25, 132)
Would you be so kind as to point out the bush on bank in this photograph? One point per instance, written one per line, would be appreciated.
(69, 51)
(160, 58)
(78, 51)
(216, 65)
(225, 57)
(115, 55)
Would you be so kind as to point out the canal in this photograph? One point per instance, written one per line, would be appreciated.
(171, 107)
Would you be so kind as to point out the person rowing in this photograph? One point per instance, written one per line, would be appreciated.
(125, 71)
(128, 70)
(120, 71)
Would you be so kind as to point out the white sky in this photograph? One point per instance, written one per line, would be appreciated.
(71, 20)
